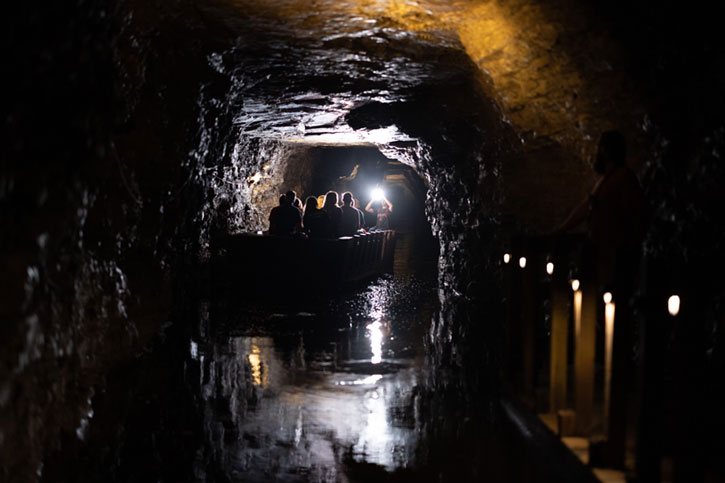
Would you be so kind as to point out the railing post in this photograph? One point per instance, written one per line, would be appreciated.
(559, 339)
(585, 303)
(528, 323)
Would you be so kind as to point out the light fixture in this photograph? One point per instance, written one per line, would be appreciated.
(377, 193)
(607, 297)
(673, 305)
(550, 268)
(506, 257)
(522, 262)
(575, 285)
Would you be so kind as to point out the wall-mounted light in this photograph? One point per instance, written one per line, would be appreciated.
(673, 305)
(506, 257)
(575, 285)
(550, 268)
(522, 262)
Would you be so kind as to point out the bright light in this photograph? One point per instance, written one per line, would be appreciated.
(575, 285)
(376, 342)
(506, 257)
(673, 305)
(522, 262)
(550, 268)
(260, 232)
(608, 297)
(377, 193)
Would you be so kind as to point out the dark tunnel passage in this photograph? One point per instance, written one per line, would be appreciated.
(146, 332)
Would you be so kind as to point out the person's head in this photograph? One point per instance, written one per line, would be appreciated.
(331, 199)
(310, 204)
(292, 196)
(282, 200)
(347, 198)
(612, 150)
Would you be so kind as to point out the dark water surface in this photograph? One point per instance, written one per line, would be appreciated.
(289, 386)
(293, 396)
(279, 388)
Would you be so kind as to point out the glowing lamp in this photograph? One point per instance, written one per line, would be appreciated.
(550, 268)
(377, 194)
(575, 285)
(522, 262)
(673, 305)
(607, 297)
(506, 257)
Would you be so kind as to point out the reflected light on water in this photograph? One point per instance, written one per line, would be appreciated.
(376, 341)
(259, 374)
(359, 382)
(374, 437)
(194, 350)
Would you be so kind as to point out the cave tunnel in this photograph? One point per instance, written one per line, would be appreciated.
(153, 329)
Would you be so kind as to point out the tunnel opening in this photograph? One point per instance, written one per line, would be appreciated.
(314, 170)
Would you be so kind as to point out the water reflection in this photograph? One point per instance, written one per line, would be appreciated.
(314, 392)
(376, 341)
(259, 372)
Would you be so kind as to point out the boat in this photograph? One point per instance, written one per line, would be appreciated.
(265, 261)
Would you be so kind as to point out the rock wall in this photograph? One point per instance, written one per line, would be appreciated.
(95, 206)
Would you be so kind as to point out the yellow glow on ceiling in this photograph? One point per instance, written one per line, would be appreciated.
(514, 43)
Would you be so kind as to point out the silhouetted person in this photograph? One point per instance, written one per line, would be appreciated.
(316, 221)
(613, 209)
(333, 211)
(361, 215)
(382, 209)
(291, 195)
(288, 219)
(297, 203)
(274, 217)
(350, 218)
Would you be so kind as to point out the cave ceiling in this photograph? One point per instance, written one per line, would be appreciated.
(302, 66)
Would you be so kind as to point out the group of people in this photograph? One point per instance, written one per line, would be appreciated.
(325, 216)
